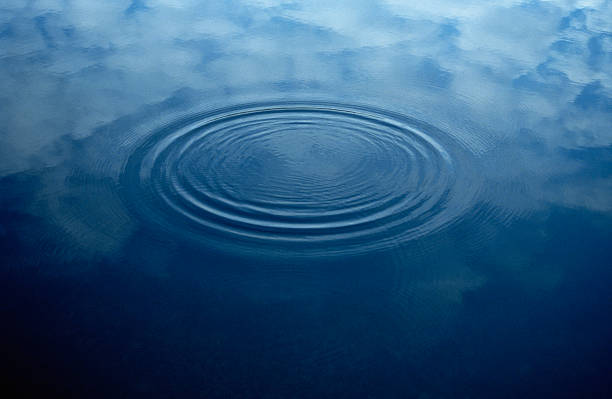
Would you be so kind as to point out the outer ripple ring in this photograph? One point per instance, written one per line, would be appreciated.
(311, 177)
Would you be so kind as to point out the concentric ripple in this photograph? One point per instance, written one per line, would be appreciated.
(299, 177)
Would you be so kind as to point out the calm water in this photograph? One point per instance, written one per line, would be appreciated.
(275, 199)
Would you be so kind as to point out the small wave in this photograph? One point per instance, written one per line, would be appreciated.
(304, 177)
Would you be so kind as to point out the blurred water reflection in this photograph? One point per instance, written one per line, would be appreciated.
(505, 295)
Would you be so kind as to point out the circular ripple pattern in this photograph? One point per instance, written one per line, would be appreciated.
(305, 177)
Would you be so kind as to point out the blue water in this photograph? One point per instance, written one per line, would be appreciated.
(306, 199)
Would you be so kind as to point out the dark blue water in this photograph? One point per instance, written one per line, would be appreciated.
(306, 199)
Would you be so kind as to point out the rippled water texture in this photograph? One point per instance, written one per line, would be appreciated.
(306, 199)
(325, 177)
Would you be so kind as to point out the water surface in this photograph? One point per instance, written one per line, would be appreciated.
(306, 199)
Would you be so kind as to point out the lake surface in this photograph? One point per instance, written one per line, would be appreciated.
(273, 199)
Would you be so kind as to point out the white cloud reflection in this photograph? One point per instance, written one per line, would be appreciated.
(486, 71)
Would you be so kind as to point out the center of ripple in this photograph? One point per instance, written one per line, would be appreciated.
(297, 176)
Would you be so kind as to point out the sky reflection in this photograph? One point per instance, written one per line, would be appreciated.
(524, 87)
